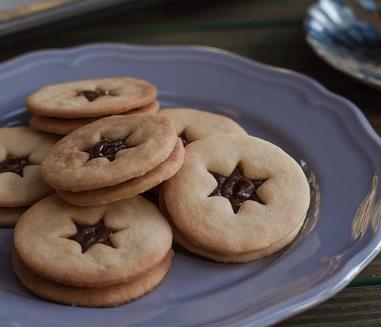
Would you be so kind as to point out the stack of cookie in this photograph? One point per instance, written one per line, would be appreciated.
(62, 108)
(249, 198)
(192, 124)
(100, 256)
(21, 153)
(114, 158)
(224, 195)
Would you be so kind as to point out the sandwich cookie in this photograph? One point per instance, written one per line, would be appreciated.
(237, 198)
(192, 124)
(95, 256)
(113, 158)
(21, 153)
(62, 126)
(91, 98)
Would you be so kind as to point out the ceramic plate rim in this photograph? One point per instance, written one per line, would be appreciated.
(338, 280)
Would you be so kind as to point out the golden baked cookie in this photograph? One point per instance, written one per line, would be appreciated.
(192, 124)
(128, 189)
(21, 153)
(109, 151)
(91, 98)
(63, 126)
(236, 198)
(92, 246)
(108, 296)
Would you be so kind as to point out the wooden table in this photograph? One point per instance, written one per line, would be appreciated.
(268, 31)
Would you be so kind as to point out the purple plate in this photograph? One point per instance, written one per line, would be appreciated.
(324, 130)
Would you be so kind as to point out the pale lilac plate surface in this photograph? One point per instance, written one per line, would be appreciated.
(326, 131)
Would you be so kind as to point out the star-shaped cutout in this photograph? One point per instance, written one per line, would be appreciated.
(15, 165)
(88, 235)
(107, 148)
(237, 188)
(93, 95)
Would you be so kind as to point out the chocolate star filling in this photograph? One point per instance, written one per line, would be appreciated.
(107, 148)
(15, 165)
(237, 188)
(93, 95)
(183, 139)
(88, 235)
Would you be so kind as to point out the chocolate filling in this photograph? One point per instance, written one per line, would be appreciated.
(15, 165)
(107, 148)
(88, 235)
(184, 139)
(93, 95)
(237, 188)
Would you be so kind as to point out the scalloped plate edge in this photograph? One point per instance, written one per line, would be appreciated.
(324, 290)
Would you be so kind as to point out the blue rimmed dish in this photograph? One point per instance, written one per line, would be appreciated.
(330, 135)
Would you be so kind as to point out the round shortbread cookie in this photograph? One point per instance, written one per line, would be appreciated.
(91, 98)
(93, 246)
(238, 258)
(246, 195)
(128, 189)
(109, 296)
(109, 151)
(21, 153)
(62, 126)
(192, 124)
(10, 216)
